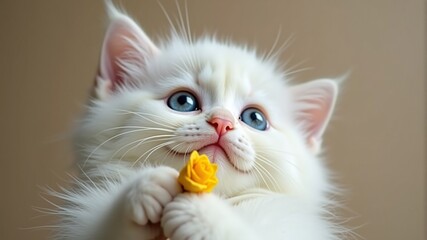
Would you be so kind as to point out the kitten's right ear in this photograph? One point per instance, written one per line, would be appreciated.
(124, 42)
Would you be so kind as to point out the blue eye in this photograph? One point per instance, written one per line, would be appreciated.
(183, 102)
(254, 118)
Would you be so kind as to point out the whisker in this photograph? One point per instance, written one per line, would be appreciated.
(257, 178)
(172, 150)
(46, 227)
(278, 168)
(279, 33)
(187, 152)
(181, 22)
(172, 25)
(267, 150)
(272, 184)
(288, 71)
(270, 163)
(141, 115)
(110, 139)
(260, 175)
(149, 152)
(284, 159)
(141, 141)
(268, 174)
(89, 179)
(282, 47)
(187, 19)
(134, 127)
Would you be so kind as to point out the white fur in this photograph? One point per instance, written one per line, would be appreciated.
(130, 145)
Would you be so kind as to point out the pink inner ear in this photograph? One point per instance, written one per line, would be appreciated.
(115, 47)
(113, 50)
(315, 103)
(317, 116)
(124, 41)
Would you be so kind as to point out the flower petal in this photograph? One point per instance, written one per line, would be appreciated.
(199, 175)
(192, 186)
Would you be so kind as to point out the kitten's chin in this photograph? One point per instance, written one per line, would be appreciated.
(215, 153)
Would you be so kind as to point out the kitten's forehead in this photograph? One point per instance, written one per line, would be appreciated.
(222, 74)
(229, 72)
(224, 81)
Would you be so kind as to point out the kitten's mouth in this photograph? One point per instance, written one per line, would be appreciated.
(216, 153)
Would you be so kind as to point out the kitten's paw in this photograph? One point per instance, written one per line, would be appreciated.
(189, 216)
(150, 192)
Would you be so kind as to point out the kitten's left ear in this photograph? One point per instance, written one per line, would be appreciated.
(125, 42)
(315, 102)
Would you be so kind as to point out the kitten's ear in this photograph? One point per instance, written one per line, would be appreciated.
(124, 42)
(315, 102)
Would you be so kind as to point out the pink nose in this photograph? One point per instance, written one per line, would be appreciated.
(221, 125)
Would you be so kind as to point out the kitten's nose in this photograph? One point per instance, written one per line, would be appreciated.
(221, 125)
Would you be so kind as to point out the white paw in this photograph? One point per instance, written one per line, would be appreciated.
(189, 216)
(150, 192)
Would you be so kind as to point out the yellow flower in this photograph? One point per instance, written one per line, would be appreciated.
(198, 176)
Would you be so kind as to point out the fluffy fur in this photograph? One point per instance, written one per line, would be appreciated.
(130, 145)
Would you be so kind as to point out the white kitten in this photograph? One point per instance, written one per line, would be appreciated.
(153, 105)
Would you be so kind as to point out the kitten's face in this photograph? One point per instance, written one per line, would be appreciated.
(218, 99)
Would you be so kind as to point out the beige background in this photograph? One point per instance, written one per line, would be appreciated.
(376, 143)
